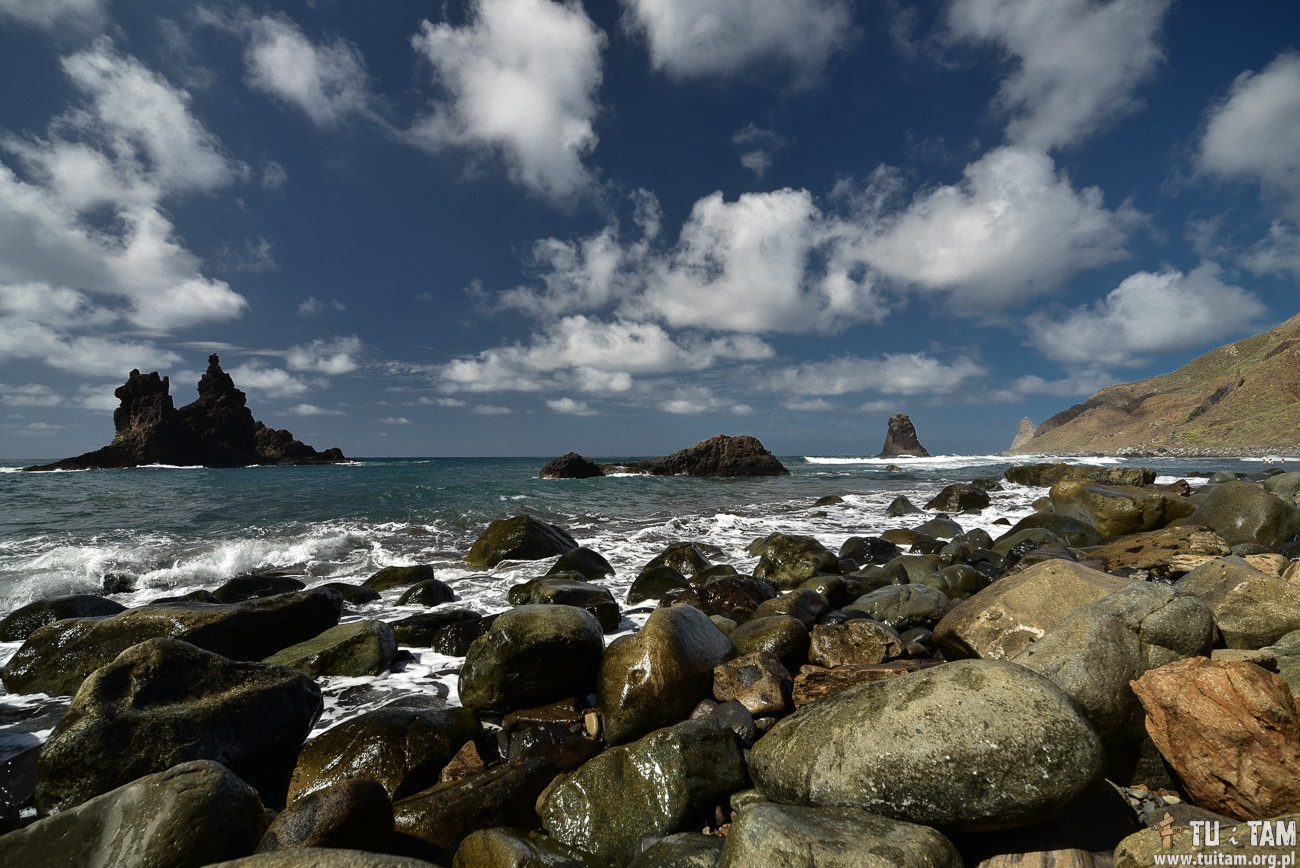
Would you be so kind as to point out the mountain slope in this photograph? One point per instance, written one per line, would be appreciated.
(1242, 397)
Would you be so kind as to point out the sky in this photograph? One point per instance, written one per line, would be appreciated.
(524, 227)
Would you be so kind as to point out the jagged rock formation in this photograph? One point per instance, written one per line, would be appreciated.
(721, 455)
(901, 440)
(1240, 398)
(1024, 431)
(217, 430)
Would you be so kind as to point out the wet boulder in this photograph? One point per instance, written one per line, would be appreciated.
(788, 560)
(904, 606)
(532, 655)
(501, 847)
(353, 814)
(782, 635)
(923, 748)
(417, 631)
(653, 583)
(165, 702)
(354, 595)
(191, 814)
(656, 676)
(23, 621)
(1246, 512)
(1047, 475)
(359, 648)
(591, 565)
(1117, 510)
(556, 590)
(522, 538)
(804, 603)
(1066, 529)
(243, 588)
(56, 658)
(681, 850)
(428, 592)
(666, 782)
(399, 577)
(1252, 608)
(685, 557)
(960, 497)
(732, 597)
(854, 642)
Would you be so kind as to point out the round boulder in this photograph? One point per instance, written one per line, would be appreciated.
(522, 538)
(359, 648)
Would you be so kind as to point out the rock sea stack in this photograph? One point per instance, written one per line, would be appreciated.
(720, 455)
(217, 430)
(901, 440)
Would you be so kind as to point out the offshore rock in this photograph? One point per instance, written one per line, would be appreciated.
(570, 465)
(720, 455)
(216, 430)
(901, 440)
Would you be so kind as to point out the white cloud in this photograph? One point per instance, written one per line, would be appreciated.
(29, 395)
(24, 339)
(1149, 312)
(571, 407)
(334, 356)
(98, 397)
(274, 382)
(490, 410)
(395, 420)
(519, 81)
(1252, 134)
(688, 39)
(1013, 228)
(50, 14)
(758, 147)
(327, 82)
(892, 374)
(313, 410)
(311, 306)
(1077, 61)
(1277, 253)
(685, 400)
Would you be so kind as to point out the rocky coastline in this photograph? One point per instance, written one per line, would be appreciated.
(1110, 679)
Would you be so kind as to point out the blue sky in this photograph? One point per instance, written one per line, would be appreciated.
(520, 227)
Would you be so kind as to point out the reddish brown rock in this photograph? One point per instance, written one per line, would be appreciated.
(856, 642)
(1165, 552)
(759, 681)
(1230, 730)
(814, 682)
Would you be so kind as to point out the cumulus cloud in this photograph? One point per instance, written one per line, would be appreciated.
(326, 81)
(519, 81)
(490, 410)
(86, 354)
(891, 374)
(688, 39)
(1014, 227)
(1150, 312)
(274, 382)
(395, 420)
(1277, 253)
(79, 15)
(337, 355)
(1077, 62)
(570, 407)
(313, 410)
(29, 395)
(1252, 133)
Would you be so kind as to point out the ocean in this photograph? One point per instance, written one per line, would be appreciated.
(164, 531)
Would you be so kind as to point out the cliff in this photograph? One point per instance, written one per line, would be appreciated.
(1239, 398)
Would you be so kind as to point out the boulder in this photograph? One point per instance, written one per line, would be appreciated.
(686, 558)
(1047, 475)
(1163, 553)
(814, 682)
(654, 677)
(796, 836)
(429, 592)
(522, 538)
(532, 655)
(1245, 512)
(782, 635)
(960, 497)
(322, 857)
(1116, 510)
(803, 603)
(854, 642)
(1006, 617)
(243, 588)
(924, 747)
(1286, 651)
(455, 638)
(359, 648)
(665, 782)
(189, 815)
(500, 847)
(788, 561)
(591, 565)
(904, 606)
(1098, 649)
(1230, 730)
(957, 581)
(1251, 608)
(570, 465)
(56, 658)
(399, 577)
(417, 631)
(165, 702)
(351, 814)
(1211, 842)
(402, 745)
(682, 850)
(758, 681)
(901, 440)
(1066, 529)
(555, 590)
(353, 595)
(733, 597)
(23, 621)
(652, 584)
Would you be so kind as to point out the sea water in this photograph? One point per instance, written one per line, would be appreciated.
(163, 531)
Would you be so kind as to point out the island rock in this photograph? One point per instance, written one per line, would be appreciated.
(901, 440)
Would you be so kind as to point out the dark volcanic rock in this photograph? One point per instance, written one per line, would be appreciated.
(571, 465)
(20, 623)
(720, 455)
(217, 430)
(901, 440)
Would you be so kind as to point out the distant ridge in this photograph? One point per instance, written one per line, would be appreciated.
(1242, 398)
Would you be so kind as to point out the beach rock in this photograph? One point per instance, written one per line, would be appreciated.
(793, 836)
(243, 588)
(402, 745)
(901, 506)
(522, 538)
(654, 677)
(320, 857)
(787, 561)
(855, 642)
(1116, 510)
(500, 847)
(653, 583)
(570, 465)
(352, 814)
(1066, 529)
(734, 597)
(814, 682)
(957, 582)
(960, 497)
(758, 681)
(904, 606)
(216, 430)
(1047, 475)
(359, 648)
(941, 527)
(1003, 619)
(685, 557)
(56, 658)
(1231, 731)
(782, 635)
(417, 631)
(901, 440)
(399, 577)
(532, 655)
(869, 550)
(591, 565)
(429, 592)
(1166, 552)
(22, 622)
(682, 850)
(1252, 608)
(662, 783)
(803, 603)
(923, 748)
(353, 595)
(189, 815)
(568, 592)
(1098, 649)
(1286, 651)
(1245, 512)
(165, 702)
(455, 638)
(1210, 842)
